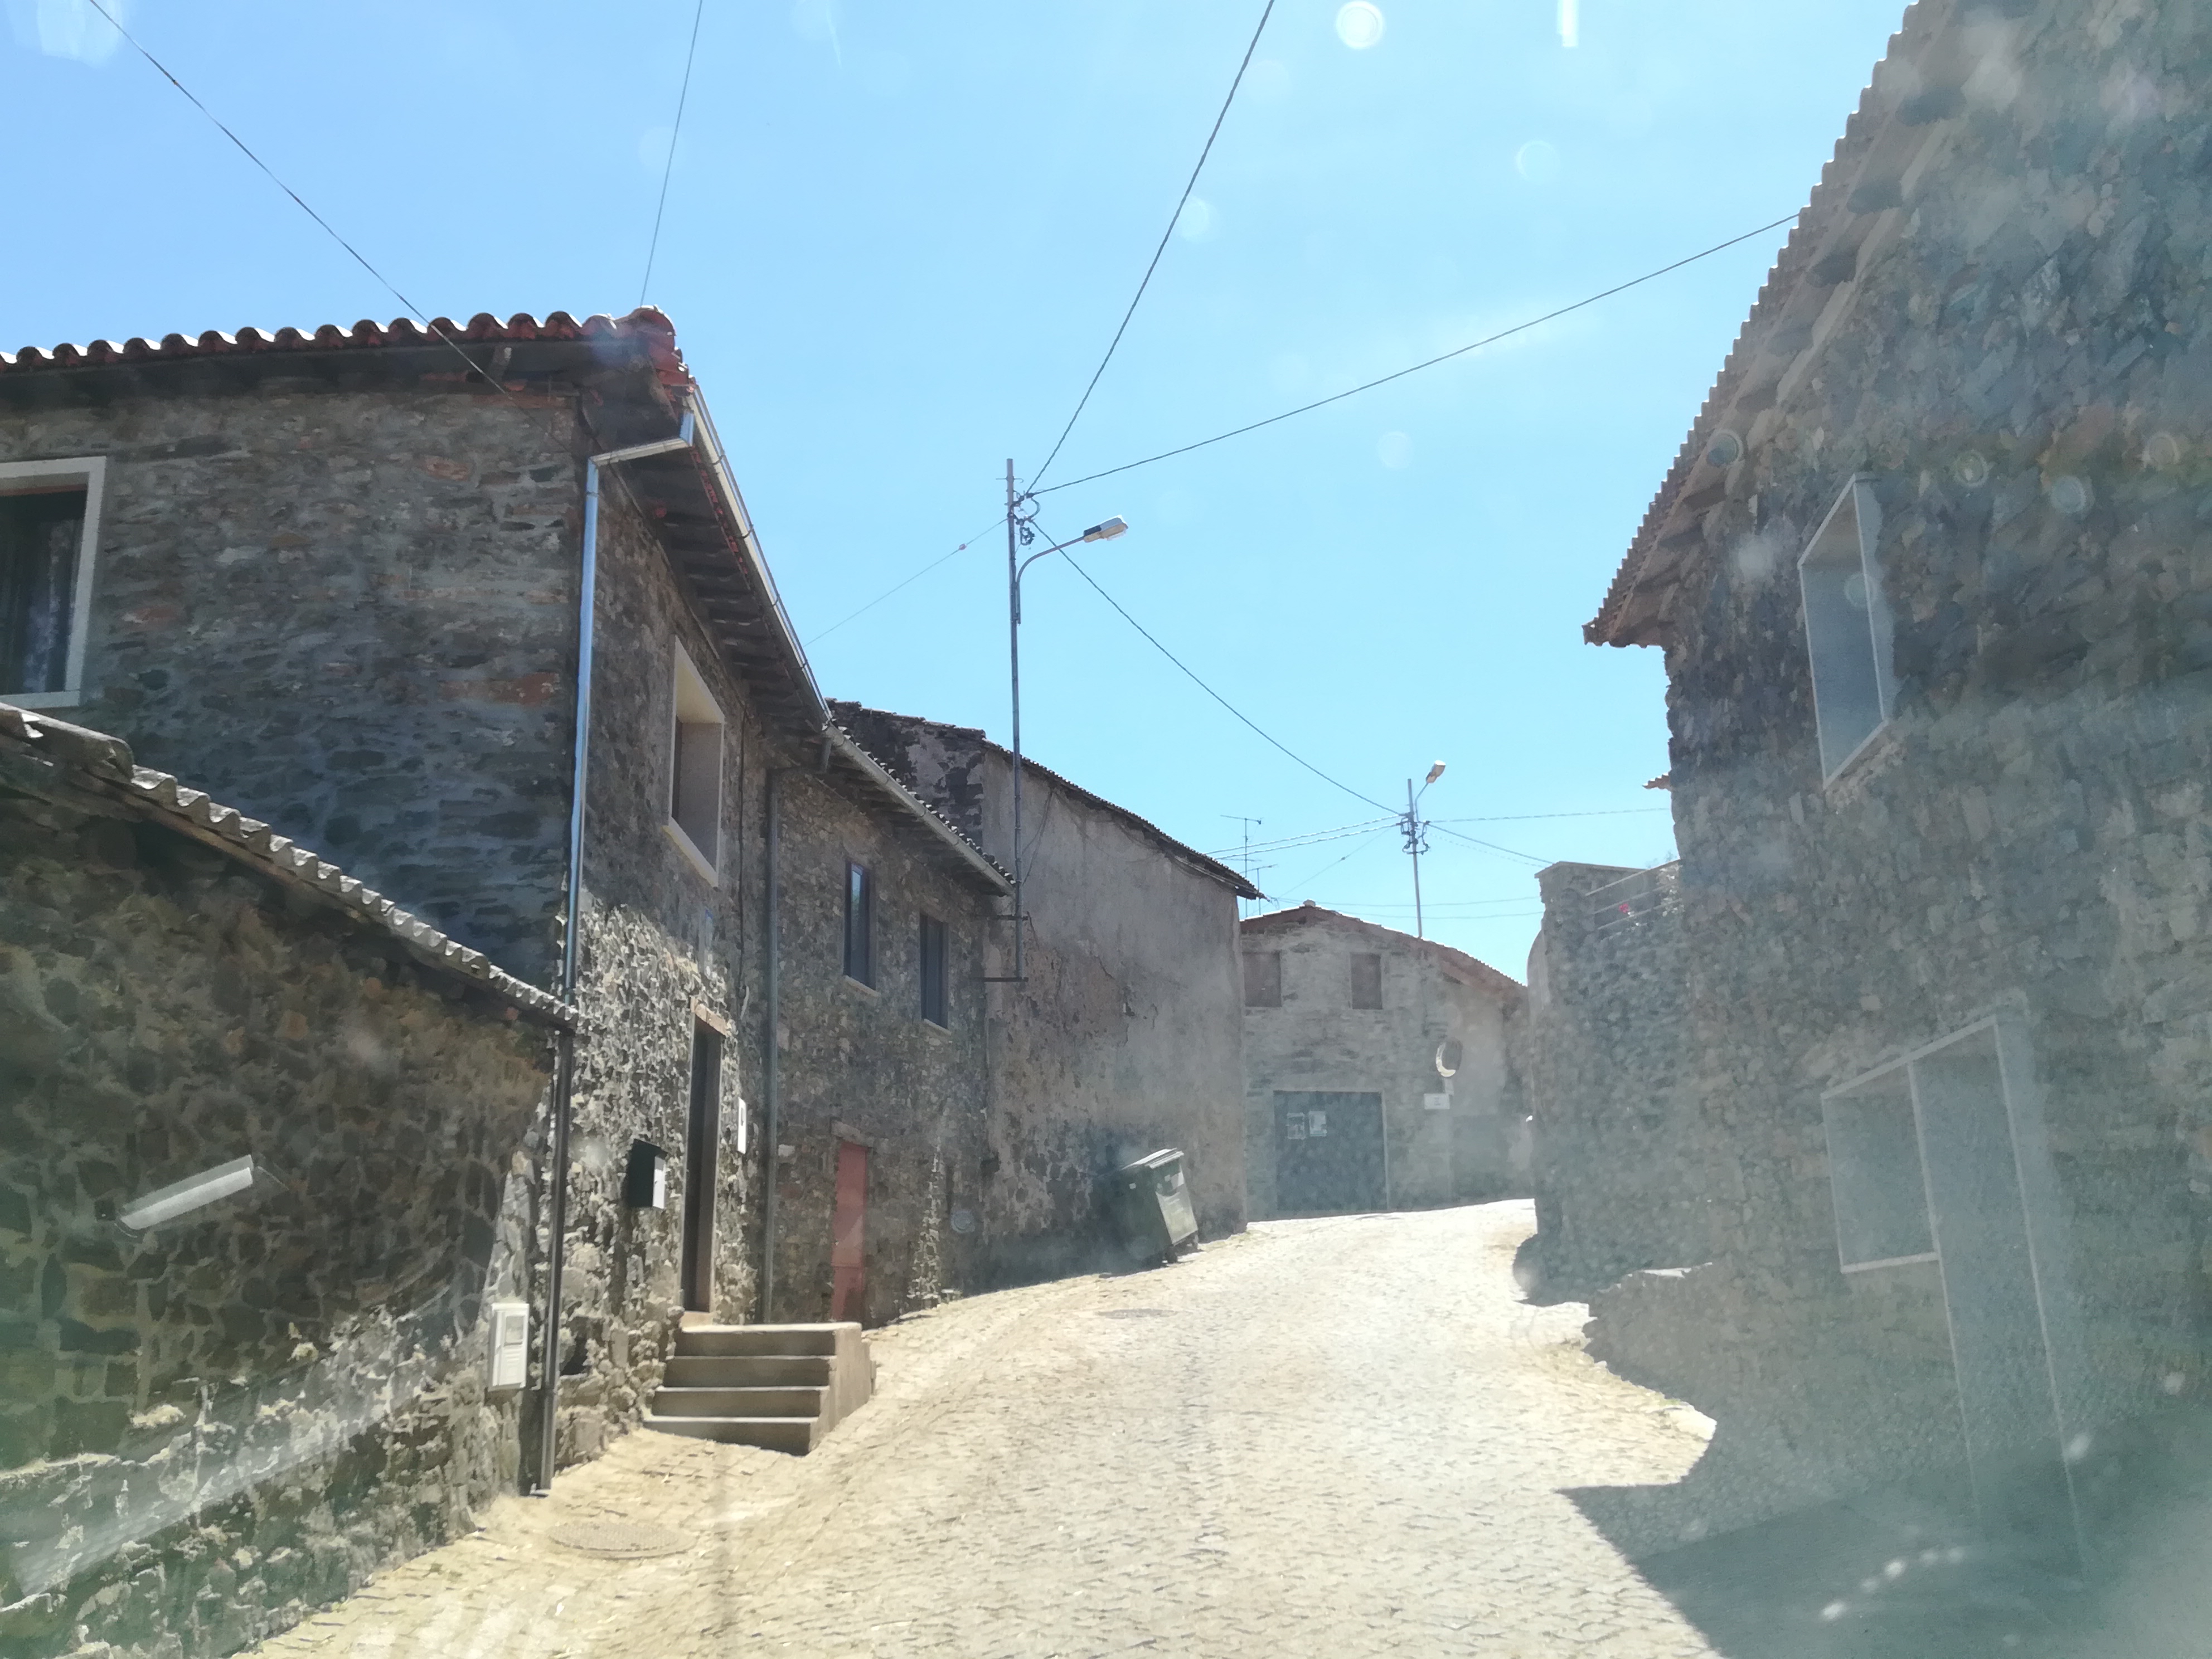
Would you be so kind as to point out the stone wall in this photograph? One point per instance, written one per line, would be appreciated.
(353, 614)
(2023, 375)
(1125, 1036)
(1476, 1147)
(664, 946)
(1620, 1169)
(861, 1065)
(208, 1430)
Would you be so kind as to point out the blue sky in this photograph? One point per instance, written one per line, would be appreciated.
(898, 238)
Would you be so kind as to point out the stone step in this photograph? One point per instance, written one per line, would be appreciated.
(805, 1371)
(757, 1340)
(783, 1434)
(739, 1402)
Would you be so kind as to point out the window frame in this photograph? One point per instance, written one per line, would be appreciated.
(92, 471)
(860, 944)
(934, 931)
(689, 687)
(1822, 633)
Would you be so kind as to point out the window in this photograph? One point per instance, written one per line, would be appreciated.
(933, 1003)
(694, 770)
(1366, 980)
(1874, 1166)
(1263, 979)
(49, 527)
(859, 924)
(1847, 630)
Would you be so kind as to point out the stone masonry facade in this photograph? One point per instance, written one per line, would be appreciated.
(1993, 317)
(1437, 1042)
(207, 1428)
(1619, 1152)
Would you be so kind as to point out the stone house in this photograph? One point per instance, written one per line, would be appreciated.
(1380, 1070)
(223, 1405)
(1124, 1035)
(1619, 1167)
(480, 610)
(1929, 577)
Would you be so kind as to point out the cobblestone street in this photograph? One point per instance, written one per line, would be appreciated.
(1336, 1436)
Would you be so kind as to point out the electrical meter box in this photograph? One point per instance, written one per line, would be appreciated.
(510, 1344)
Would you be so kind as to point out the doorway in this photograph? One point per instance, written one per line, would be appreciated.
(703, 1144)
(849, 1234)
(1329, 1154)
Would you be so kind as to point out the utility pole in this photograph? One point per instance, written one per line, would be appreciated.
(1417, 839)
(1014, 658)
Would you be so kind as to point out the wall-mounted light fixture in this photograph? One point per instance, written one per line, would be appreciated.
(179, 1199)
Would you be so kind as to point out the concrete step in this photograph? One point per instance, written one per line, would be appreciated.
(805, 1371)
(739, 1402)
(757, 1340)
(783, 1434)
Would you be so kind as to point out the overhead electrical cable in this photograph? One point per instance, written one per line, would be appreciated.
(909, 582)
(1445, 357)
(1239, 713)
(429, 323)
(1488, 846)
(1333, 863)
(668, 171)
(1181, 202)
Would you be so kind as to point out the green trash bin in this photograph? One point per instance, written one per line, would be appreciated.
(1153, 1199)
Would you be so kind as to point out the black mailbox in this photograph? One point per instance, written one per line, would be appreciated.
(645, 1184)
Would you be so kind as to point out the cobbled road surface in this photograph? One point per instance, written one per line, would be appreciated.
(1333, 1438)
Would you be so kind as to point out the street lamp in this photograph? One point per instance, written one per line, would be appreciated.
(1015, 565)
(1410, 823)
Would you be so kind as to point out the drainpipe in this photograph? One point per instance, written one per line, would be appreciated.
(771, 1072)
(556, 1209)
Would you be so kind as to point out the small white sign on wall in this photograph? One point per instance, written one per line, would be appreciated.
(1436, 1103)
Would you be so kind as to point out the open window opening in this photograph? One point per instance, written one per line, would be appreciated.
(695, 773)
(1847, 627)
(49, 527)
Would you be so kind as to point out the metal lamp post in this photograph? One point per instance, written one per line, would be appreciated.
(1410, 823)
(1015, 566)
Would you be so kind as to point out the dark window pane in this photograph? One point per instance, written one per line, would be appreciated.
(39, 539)
(860, 931)
(1366, 980)
(933, 1008)
(1263, 979)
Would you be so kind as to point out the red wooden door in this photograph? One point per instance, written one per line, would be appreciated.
(848, 1228)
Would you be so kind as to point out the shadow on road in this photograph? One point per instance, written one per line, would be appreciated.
(1898, 1574)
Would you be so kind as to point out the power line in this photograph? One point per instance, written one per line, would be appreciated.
(1400, 374)
(359, 257)
(1173, 220)
(1333, 863)
(1215, 695)
(1530, 818)
(1490, 846)
(675, 132)
(1290, 844)
(907, 583)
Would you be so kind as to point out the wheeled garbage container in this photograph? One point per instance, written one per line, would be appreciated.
(1153, 1200)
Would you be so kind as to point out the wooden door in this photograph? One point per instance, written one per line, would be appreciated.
(702, 1145)
(848, 1233)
